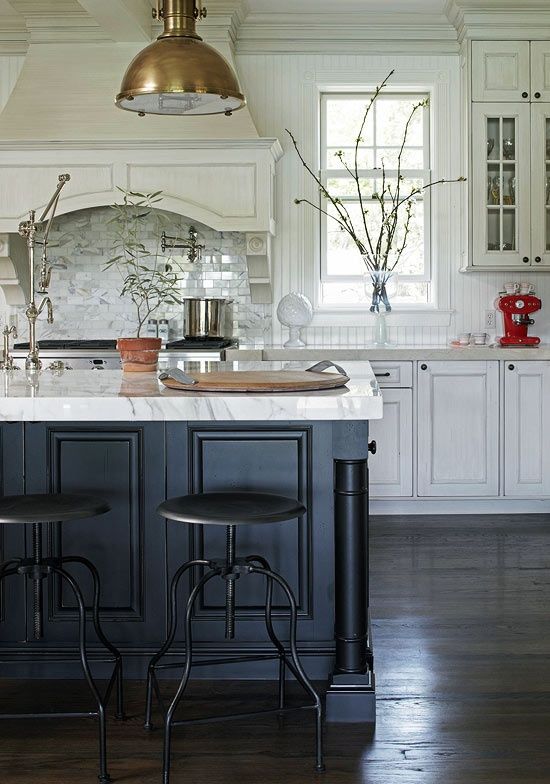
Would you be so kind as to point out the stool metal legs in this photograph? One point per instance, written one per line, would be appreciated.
(251, 565)
(172, 628)
(36, 569)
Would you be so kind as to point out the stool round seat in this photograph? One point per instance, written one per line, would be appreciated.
(53, 508)
(227, 508)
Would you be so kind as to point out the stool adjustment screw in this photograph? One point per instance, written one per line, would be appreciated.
(37, 583)
(230, 584)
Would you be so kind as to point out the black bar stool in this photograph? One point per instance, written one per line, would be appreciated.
(230, 510)
(36, 510)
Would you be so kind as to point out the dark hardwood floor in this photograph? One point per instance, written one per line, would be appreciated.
(461, 610)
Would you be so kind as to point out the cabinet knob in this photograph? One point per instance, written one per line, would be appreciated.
(373, 447)
(525, 95)
(538, 259)
(526, 259)
(537, 95)
(423, 367)
(511, 367)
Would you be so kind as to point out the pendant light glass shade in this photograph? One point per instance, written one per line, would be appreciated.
(179, 74)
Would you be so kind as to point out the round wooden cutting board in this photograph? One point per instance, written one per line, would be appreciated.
(259, 381)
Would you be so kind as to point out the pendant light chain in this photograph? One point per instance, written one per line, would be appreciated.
(200, 12)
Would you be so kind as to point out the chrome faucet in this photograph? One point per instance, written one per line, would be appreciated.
(7, 359)
(28, 230)
(194, 250)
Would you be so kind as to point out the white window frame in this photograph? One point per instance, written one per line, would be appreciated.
(425, 174)
(440, 77)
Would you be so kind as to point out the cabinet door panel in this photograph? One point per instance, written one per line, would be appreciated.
(527, 429)
(500, 70)
(390, 469)
(540, 184)
(289, 460)
(12, 537)
(501, 154)
(124, 465)
(458, 428)
(540, 70)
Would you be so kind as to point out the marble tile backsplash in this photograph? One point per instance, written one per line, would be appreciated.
(87, 300)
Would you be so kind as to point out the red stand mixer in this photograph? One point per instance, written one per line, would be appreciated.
(516, 310)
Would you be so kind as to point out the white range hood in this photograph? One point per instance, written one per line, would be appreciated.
(60, 117)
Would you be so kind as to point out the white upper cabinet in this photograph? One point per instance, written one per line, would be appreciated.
(501, 70)
(458, 429)
(501, 191)
(540, 185)
(540, 70)
(527, 429)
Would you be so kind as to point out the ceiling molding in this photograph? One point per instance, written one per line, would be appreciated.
(259, 143)
(276, 32)
(499, 19)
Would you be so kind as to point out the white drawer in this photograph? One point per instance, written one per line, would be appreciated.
(393, 374)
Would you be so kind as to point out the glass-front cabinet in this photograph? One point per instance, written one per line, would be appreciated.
(501, 185)
(540, 184)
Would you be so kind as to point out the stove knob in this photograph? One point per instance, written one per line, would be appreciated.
(520, 304)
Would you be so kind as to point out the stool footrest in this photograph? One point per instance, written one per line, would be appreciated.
(73, 715)
(227, 660)
(230, 716)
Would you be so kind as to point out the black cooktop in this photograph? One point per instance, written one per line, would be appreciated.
(200, 343)
(67, 345)
(110, 345)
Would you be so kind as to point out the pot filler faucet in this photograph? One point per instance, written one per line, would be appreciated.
(194, 250)
(28, 230)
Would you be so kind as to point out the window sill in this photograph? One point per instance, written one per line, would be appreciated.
(362, 317)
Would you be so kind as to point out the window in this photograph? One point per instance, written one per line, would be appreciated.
(342, 270)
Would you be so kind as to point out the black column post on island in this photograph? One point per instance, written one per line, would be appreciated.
(351, 695)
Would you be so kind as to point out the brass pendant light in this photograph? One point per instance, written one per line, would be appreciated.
(179, 74)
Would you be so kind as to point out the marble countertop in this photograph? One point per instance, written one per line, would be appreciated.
(390, 353)
(112, 396)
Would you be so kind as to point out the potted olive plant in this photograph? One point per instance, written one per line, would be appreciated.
(147, 279)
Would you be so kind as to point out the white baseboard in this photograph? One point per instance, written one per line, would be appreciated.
(440, 506)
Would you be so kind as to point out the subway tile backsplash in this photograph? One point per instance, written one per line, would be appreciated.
(87, 300)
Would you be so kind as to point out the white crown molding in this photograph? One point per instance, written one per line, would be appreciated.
(273, 145)
(296, 32)
(14, 37)
(500, 19)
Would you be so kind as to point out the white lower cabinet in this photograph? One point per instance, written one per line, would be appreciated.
(458, 428)
(527, 429)
(390, 469)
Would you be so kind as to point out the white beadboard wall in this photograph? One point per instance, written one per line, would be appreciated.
(273, 83)
(273, 86)
(10, 68)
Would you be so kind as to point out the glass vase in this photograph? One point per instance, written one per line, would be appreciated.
(380, 285)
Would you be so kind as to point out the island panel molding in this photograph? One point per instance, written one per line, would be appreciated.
(277, 461)
(125, 465)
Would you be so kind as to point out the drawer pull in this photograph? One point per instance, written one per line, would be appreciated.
(383, 375)
(372, 447)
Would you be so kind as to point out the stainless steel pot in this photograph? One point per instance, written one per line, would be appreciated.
(205, 317)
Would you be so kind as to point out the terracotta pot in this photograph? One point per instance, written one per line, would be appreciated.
(139, 355)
